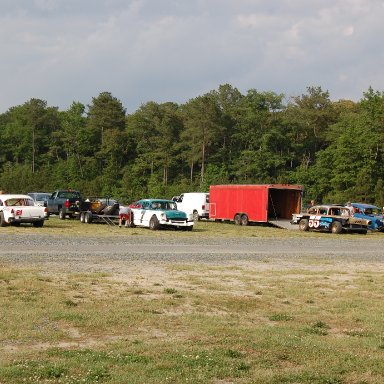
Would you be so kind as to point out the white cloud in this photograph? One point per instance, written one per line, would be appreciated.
(66, 50)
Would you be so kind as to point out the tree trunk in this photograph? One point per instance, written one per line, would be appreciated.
(191, 174)
(202, 164)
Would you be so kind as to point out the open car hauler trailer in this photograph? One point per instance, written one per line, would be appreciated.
(258, 203)
(100, 211)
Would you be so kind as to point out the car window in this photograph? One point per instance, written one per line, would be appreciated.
(334, 211)
(156, 205)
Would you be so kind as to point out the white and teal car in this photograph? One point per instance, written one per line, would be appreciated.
(159, 213)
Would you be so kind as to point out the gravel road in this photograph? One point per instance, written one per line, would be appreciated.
(90, 253)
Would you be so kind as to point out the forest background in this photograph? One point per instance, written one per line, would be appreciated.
(333, 148)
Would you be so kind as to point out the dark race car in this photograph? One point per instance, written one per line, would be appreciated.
(332, 218)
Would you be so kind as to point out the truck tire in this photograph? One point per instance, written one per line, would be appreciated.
(304, 225)
(336, 227)
(244, 220)
(196, 216)
(61, 214)
(3, 223)
(154, 223)
(237, 219)
(38, 224)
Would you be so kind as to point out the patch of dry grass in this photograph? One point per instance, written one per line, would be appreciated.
(256, 323)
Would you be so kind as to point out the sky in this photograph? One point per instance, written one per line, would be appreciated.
(63, 51)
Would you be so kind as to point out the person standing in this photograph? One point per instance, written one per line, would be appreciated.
(311, 204)
(351, 209)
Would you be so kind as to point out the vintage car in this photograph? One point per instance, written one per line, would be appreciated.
(157, 213)
(332, 218)
(16, 209)
(369, 212)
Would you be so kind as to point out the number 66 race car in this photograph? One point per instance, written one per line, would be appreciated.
(16, 209)
(331, 218)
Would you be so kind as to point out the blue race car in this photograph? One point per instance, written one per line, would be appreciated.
(369, 212)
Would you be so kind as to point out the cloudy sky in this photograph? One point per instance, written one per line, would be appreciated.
(173, 50)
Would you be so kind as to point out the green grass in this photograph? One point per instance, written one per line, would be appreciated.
(86, 328)
(289, 321)
(205, 229)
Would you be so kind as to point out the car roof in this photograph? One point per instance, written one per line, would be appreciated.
(18, 196)
(328, 206)
(158, 200)
(362, 205)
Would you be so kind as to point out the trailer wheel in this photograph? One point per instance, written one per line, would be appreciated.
(88, 217)
(237, 219)
(304, 225)
(244, 220)
(336, 227)
(153, 223)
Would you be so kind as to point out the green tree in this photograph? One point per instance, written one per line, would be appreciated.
(203, 131)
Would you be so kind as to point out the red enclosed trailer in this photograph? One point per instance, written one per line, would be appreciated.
(255, 203)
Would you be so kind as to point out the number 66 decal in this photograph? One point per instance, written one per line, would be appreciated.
(314, 223)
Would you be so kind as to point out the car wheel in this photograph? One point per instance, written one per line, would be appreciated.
(38, 224)
(61, 214)
(3, 223)
(237, 219)
(244, 220)
(82, 217)
(153, 223)
(196, 216)
(304, 225)
(336, 227)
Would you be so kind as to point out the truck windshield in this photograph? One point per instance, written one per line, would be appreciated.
(69, 195)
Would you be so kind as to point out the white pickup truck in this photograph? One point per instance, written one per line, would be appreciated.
(16, 209)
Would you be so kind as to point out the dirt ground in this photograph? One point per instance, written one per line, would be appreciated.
(148, 255)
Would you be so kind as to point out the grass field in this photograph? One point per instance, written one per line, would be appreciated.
(267, 322)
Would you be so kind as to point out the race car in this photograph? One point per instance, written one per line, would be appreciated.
(158, 213)
(17, 209)
(332, 218)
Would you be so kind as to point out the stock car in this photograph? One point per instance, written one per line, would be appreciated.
(332, 218)
(17, 209)
(157, 213)
(369, 212)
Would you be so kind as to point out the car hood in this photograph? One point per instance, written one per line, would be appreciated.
(173, 214)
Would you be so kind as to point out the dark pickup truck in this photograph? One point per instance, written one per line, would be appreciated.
(65, 203)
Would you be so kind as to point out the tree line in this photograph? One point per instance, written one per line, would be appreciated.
(333, 148)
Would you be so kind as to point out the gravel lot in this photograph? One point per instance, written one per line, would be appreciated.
(106, 254)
